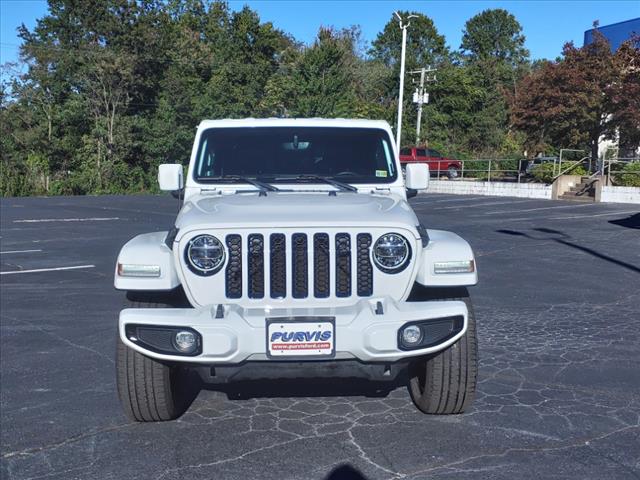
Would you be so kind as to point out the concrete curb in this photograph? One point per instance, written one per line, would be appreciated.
(499, 189)
(527, 190)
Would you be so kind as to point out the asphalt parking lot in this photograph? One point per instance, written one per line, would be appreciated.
(558, 308)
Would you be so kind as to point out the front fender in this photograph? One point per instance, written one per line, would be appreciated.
(147, 249)
(445, 247)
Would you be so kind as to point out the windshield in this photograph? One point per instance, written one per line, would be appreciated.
(282, 154)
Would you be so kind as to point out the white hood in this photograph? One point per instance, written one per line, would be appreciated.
(295, 209)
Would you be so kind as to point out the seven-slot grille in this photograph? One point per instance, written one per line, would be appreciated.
(289, 260)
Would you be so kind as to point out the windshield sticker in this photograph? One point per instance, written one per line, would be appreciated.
(381, 173)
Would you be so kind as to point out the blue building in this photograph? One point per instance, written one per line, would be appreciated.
(616, 33)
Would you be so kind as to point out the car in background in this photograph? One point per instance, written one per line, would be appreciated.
(437, 162)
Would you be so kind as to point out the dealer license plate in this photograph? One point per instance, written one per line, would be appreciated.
(304, 337)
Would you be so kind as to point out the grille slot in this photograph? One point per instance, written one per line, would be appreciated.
(321, 280)
(278, 262)
(343, 265)
(233, 272)
(364, 269)
(256, 266)
(299, 266)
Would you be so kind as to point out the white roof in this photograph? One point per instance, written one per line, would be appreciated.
(299, 122)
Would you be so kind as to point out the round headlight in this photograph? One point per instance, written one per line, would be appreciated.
(391, 253)
(205, 254)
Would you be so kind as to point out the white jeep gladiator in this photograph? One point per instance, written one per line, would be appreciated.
(295, 255)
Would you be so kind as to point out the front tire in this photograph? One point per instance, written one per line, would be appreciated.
(453, 172)
(445, 383)
(150, 390)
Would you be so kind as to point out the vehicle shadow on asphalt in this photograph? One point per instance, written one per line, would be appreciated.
(308, 387)
(567, 240)
(630, 222)
(345, 472)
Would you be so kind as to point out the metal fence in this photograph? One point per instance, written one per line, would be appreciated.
(490, 168)
(522, 170)
(616, 169)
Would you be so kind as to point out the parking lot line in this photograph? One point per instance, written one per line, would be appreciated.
(76, 267)
(476, 205)
(594, 215)
(447, 199)
(540, 208)
(20, 251)
(42, 220)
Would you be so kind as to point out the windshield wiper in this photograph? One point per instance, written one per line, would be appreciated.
(345, 187)
(264, 187)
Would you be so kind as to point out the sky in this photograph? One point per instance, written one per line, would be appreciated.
(547, 25)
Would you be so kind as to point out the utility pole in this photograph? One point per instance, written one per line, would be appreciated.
(403, 27)
(420, 96)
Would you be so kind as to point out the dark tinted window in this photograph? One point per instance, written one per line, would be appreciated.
(421, 152)
(405, 151)
(356, 155)
(434, 153)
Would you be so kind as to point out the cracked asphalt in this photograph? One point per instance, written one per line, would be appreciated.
(558, 308)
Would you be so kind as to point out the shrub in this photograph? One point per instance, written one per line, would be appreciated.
(543, 172)
(629, 176)
(578, 171)
(13, 181)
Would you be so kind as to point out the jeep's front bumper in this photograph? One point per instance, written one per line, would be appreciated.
(366, 331)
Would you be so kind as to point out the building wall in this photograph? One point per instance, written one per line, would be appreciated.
(616, 33)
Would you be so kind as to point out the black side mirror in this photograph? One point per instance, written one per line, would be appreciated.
(411, 192)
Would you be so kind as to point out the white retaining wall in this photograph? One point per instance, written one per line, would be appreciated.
(499, 189)
(620, 194)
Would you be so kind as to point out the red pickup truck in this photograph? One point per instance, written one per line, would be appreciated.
(436, 161)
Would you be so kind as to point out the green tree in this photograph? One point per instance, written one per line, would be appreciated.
(494, 36)
(493, 50)
(425, 47)
(323, 77)
(449, 117)
(115, 87)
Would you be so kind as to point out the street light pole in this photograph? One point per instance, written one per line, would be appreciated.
(403, 27)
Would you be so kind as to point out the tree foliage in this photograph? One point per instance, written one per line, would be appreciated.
(494, 36)
(113, 88)
(425, 47)
(493, 52)
(588, 94)
(622, 96)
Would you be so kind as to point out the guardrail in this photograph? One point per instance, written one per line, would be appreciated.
(583, 161)
(485, 169)
(612, 167)
(505, 169)
(518, 170)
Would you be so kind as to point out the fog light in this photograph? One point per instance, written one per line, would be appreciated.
(411, 335)
(185, 341)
